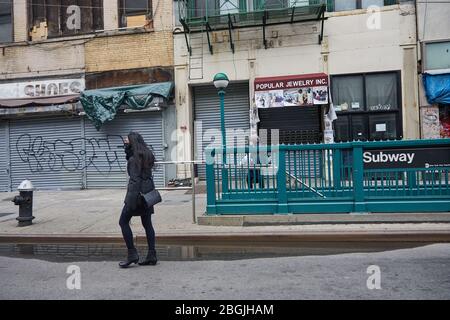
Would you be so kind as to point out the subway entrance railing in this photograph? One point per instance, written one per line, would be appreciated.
(358, 177)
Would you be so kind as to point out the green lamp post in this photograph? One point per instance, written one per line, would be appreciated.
(221, 83)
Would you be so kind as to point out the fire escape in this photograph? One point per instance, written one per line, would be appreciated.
(199, 17)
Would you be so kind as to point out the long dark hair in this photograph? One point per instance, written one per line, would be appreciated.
(141, 151)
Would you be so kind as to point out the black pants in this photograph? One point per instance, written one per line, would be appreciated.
(146, 219)
(254, 178)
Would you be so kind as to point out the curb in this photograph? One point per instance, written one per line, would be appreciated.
(261, 238)
(319, 219)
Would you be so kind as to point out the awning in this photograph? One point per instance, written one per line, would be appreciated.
(38, 101)
(437, 88)
(102, 105)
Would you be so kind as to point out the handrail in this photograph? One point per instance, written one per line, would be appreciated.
(304, 184)
(192, 187)
(337, 145)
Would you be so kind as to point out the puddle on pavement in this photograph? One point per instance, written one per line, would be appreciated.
(114, 252)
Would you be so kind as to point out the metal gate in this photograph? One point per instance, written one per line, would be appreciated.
(4, 166)
(357, 177)
(207, 110)
(105, 158)
(48, 151)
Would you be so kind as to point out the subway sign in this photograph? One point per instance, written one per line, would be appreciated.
(428, 158)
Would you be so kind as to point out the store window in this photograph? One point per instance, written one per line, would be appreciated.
(444, 120)
(56, 18)
(134, 13)
(437, 55)
(343, 5)
(367, 106)
(6, 30)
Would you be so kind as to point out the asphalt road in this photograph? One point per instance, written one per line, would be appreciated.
(419, 273)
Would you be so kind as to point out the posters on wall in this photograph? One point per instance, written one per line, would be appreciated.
(435, 122)
(430, 122)
(301, 90)
(444, 119)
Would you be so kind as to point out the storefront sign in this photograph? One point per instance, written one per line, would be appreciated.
(433, 157)
(45, 88)
(301, 90)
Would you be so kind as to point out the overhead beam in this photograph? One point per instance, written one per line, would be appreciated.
(322, 27)
(264, 29)
(230, 27)
(186, 31)
(208, 30)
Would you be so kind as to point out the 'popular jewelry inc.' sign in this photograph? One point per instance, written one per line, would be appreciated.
(301, 90)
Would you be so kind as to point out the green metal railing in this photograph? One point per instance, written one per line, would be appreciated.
(195, 12)
(242, 12)
(323, 178)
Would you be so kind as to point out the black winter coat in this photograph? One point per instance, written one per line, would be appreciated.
(139, 182)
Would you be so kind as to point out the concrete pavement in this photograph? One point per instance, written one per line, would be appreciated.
(419, 273)
(96, 213)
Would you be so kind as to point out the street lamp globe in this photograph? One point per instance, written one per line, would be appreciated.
(221, 81)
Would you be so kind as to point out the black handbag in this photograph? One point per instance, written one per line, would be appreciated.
(151, 198)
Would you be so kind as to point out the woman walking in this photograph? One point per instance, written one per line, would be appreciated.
(140, 162)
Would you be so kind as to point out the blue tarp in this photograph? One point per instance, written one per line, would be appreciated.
(437, 88)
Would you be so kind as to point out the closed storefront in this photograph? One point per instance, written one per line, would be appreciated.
(368, 106)
(48, 151)
(207, 116)
(295, 125)
(68, 153)
(293, 106)
(106, 163)
(4, 167)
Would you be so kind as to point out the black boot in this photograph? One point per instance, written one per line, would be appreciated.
(133, 257)
(150, 260)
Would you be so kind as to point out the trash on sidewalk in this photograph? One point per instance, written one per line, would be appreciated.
(180, 183)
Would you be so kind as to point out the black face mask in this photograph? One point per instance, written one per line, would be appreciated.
(128, 150)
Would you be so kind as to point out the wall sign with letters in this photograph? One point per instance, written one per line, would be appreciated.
(433, 157)
(44, 88)
(301, 90)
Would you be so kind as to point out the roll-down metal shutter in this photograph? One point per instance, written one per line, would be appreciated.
(296, 125)
(207, 110)
(4, 172)
(47, 151)
(105, 157)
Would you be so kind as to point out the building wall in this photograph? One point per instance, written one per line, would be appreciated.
(49, 58)
(20, 21)
(105, 51)
(349, 46)
(133, 50)
(433, 24)
(433, 21)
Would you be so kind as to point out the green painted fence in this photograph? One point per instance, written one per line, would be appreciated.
(330, 178)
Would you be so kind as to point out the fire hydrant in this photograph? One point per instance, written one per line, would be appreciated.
(25, 203)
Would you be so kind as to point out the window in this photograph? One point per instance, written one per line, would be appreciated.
(437, 55)
(56, 18)
(381, 91)
(229, 6)
(342, 5)
(134, 13)
(368, 106)
(6, 30)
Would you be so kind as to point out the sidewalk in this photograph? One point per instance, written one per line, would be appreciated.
(95, 213)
